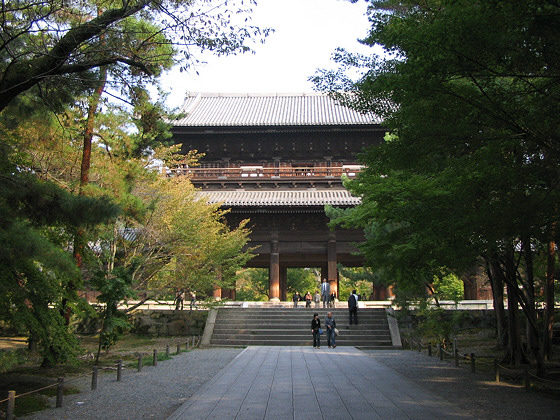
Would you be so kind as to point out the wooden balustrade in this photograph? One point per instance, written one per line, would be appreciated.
(253, 174)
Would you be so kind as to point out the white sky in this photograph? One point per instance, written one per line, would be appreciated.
(306, 34)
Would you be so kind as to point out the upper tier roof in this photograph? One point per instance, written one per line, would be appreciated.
(275, 198)
(215, 109)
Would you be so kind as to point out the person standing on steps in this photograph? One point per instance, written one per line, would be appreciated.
(296, 298)
(308, 300)
(325, 292)
(353, 307)
(330, 325)
(317, 299)
(315, 327)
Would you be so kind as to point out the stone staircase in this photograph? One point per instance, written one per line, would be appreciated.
(237, 327)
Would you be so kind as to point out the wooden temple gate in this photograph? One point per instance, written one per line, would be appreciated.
(278, 160)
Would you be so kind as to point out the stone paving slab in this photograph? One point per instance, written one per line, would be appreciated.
(270, 382)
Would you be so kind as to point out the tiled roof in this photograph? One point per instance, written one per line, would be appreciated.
(207, 109)
(244, 198)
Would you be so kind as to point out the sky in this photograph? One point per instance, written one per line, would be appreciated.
(306, 34)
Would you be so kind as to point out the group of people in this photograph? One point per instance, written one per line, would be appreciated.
(325, 296)
(330, 326)
(180, 299)
(330, 323)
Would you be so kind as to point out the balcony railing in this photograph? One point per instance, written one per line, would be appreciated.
(256, 173)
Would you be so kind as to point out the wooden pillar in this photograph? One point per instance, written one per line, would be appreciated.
(217, 292)
(379, 292)
(274, 273)
(332, 271)
(283, 283)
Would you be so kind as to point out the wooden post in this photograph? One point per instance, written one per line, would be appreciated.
(187, 345)
(94, 379)
(119, 370)
(473, 363)
(178, 348)
(527, 379)
(167, 350)
(193, 338)
(456, 357)
(11, 405)
(419, 346)
(430, 349)
(59, 392)
(496, 370)
(455, 345)
(411, 344)
(155, 357)
(140, 361)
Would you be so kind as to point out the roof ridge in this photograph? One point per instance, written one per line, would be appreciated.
(252, 95)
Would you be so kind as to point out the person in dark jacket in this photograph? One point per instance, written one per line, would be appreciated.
(315, 325)
(296, 298)
(353, 308)
(330, 325)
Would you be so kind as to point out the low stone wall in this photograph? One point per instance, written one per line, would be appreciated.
(483, 318)
(168, 322)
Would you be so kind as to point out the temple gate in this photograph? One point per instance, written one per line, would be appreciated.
(278, 160)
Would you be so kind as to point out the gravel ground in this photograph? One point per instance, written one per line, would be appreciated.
(154, 393)
(476, 393)
(157, 392)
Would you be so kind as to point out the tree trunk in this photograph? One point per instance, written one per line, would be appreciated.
(514, 352)
(533, 333)
(549, 300)
(495, 277)
(86, 157)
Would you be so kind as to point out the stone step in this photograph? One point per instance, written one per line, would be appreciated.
(293, 324)
(237, 327)
(297, 336)
(251, 330)
(309, 342)
(300, 316)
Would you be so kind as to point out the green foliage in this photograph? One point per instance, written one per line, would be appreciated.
(114, 286)
(469, 92)
(448, 287)
(435, 324)
(56, 46)
(360, 279)
(302, 280)
(10, 359)
(252, 285)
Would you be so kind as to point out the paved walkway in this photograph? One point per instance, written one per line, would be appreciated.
(304, 383)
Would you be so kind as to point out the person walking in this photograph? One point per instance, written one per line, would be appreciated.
(315, 329)
(330, 325)
(325, 292)
(179, 298)
(193, 300)
(353, 307)
(317, 299)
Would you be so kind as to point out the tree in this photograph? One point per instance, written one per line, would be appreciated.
(52, 54)
(53, 43)
(470, 91)
(252, 284)
(35, 269)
